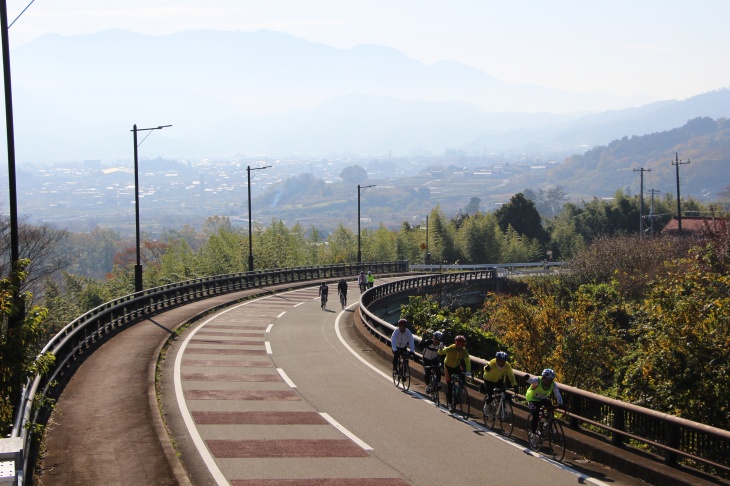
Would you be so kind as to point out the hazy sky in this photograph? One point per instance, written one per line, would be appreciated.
(668, 49)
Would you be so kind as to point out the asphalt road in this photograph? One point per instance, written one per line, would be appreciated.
(279, 391)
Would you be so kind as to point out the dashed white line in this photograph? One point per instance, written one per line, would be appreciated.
(297, 305)
(268, 328)
(205, 454)
(279, 316)
(286, 378)
(349, 434)
(268, 348)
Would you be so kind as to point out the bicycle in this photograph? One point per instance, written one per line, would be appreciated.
(402, 373)
(362, 286)
(343, 300)
(323, 300)
(548, 429)
(500, 408)
(435, 383)
(460, 396)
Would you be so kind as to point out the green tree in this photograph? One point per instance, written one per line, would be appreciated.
(178, 262)
(473, 206)
(223, 252)
(682, 363)
(521, 214)
(408, 243)
(342, 246)
(478, 239)
(380, 245)
(441, 238)
(277, 247)
(19, 345)
(354, 174)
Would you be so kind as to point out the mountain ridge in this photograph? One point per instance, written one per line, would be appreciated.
(235, 92)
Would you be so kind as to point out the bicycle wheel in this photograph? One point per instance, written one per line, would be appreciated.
(464, 405)
(435, 396)
(343, 300)
(406, 378)
(556, 441)
(506, 418)
(489, 413)
(397, 372)
(534, 440)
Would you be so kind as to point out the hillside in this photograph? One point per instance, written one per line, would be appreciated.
(704, 142)
(452, 182)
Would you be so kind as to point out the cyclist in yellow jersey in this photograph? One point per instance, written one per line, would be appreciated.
(456, 360)
(494, 374)
(538, 394)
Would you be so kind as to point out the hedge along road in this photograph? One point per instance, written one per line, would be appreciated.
(276, 389)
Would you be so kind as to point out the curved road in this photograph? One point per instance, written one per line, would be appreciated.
(277, 391)
(274, 391)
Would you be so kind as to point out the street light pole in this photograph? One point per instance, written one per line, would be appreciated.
(428, 256)
(138, 265)
(250, 230)
(359, 189)
(13, 198)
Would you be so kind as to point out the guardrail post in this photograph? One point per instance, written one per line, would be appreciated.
(11, 459)
(618, 424)
(575, 410)
(672, 438)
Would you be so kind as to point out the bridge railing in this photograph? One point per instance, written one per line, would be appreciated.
(87, 331)
(624, 424)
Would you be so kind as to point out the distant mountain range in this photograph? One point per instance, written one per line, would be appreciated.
(265, 92)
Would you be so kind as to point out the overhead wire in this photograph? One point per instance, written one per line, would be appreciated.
(21, 13)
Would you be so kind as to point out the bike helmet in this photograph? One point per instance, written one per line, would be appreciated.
(438, 335)
(402, 322)
(548, 373)
(461, 340)
(501, 355)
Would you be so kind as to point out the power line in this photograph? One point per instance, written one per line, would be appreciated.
(21, 13)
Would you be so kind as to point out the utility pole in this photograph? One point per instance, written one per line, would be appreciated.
(651, 210)
(679, 204)
(16, 319)
(641, 201)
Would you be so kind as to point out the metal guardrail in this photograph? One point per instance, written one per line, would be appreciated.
(83, 334)
(624, 423)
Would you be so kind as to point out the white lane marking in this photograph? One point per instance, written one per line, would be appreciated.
(297, 305)
(349, 434)
(268, 328)
(268, 348)
(472, 423)
(182, 405)
(281, 314)
(342, 340)
(286, 378)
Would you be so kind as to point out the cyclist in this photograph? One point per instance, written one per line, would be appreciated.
(456, 360)
(371, 280)
(342, 291)
(494, 374)
(362, 281)
(538, 394)
(431, 359)
(323, 291)
(401, 341)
